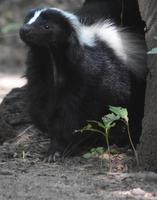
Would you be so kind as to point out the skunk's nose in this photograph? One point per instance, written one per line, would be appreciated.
(25, 31)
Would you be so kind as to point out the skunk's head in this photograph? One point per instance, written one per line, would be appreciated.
(48, 27)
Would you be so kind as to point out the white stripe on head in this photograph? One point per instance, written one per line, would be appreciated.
(36, 15)
(72, 18)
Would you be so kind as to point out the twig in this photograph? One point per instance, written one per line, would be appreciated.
(25, 130)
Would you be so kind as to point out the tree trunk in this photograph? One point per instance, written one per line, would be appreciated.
(148, 146)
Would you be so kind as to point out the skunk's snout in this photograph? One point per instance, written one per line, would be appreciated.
(25, 32)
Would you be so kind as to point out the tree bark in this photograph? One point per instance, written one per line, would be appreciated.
(148, 145)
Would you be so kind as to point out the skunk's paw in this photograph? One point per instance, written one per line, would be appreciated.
(55, 152)
(56, 156)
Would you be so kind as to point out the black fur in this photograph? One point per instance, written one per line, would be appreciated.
(124, 13)
(69, 83)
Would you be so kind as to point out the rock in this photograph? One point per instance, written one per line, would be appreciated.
(13, 114)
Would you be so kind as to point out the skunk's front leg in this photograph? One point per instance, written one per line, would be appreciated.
(61, 126)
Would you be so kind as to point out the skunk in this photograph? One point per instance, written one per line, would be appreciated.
(75, 71)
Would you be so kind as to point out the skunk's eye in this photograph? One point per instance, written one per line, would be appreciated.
(46, 27)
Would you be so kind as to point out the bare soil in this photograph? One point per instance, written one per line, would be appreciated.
(24, 175)
(74, 178)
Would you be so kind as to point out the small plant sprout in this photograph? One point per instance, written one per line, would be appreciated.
(122, 114)
(94, 152)
(108, 122)
(104, 127)
(98, 151)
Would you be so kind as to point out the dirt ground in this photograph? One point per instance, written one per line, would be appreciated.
(74, 178)
(24, 175)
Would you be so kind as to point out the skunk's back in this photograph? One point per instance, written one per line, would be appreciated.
(128, 47)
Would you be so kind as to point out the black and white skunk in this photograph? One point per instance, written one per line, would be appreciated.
(75, 71)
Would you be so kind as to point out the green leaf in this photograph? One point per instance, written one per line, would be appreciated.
(153, 51)
(93, 150)
(87, 156)
(113, 151)
(120, 112)
(109, 118)
(108, 121)
(93, 154)
(155, 37)
(100, 150)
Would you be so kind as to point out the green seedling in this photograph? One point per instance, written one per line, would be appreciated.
(104, 127)
(122, 113)
(98, 152)
(94, 152)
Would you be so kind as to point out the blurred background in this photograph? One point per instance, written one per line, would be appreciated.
(12, 50)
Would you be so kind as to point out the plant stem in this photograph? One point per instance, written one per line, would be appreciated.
(94, 130)
(131, 142)
(108, 148)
